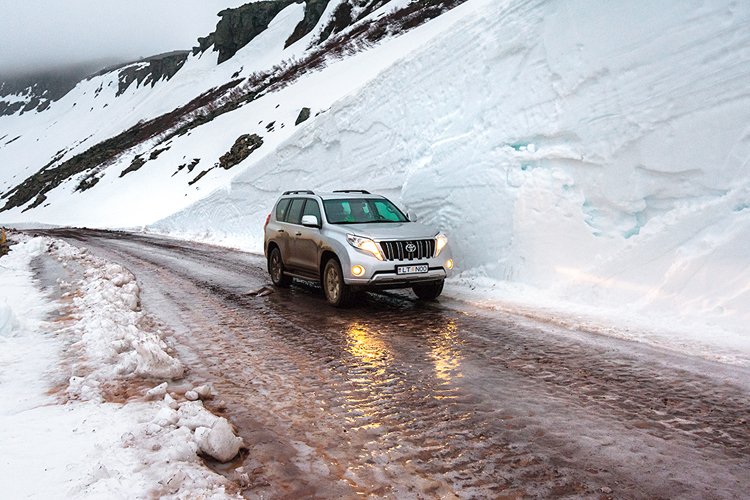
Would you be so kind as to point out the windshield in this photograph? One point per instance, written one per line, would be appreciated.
(362, 211)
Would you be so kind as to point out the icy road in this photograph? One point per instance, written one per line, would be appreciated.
(396, 398)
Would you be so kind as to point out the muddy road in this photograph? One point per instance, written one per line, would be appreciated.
(400, 399)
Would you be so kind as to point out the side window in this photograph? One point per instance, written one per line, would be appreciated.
(282, 209)
(385, 212)
(312, 208)
(295, 211)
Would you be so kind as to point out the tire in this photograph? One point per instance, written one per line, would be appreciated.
(338, 293)
(429, 291)
(276, 269)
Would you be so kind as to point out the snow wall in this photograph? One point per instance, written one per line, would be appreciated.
(597, 151)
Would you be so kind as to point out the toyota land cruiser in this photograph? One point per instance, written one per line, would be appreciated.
(352, 239)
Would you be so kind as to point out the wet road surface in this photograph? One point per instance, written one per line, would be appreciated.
(396, 398)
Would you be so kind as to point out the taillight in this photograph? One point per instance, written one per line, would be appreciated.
(268, 219)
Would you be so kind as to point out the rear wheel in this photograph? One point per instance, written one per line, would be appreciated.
(276, 269)
(429, 291)
(338, 293)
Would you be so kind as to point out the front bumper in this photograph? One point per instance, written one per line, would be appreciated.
(382, 274)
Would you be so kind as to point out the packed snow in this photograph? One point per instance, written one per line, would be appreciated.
(587, 160)
(62, 431)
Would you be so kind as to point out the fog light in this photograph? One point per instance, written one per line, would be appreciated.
(449, 263)
(358, 270)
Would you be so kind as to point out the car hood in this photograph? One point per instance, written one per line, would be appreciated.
(391, 230)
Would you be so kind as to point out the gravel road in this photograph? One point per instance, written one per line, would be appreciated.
(401, 399)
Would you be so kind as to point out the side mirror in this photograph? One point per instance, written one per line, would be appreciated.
(411, 216)
(310, 221)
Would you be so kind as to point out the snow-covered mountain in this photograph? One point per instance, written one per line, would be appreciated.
(576, 152)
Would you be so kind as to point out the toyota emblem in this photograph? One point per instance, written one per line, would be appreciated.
(411, 247)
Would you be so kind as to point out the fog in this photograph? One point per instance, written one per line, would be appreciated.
(39, 35)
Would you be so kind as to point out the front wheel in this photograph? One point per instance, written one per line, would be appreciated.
(337, 292)
(276, 269)
(429, 291)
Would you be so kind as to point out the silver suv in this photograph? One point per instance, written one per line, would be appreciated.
(353, 239)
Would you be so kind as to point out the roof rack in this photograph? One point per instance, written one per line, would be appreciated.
(352, 191)
(300, 191)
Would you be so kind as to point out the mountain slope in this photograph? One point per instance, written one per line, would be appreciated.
(112, 127)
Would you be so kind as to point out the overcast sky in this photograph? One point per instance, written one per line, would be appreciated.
(38, 34)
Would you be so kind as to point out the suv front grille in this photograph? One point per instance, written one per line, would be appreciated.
(397, 250)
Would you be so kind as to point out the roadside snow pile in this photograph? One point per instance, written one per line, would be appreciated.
(213, 435)
(8, 320)
(130, 448)
(25, 354)
(110, 325)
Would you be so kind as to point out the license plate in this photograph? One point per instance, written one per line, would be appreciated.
(416, 269)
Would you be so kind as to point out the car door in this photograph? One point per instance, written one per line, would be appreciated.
(277, 229)
(290, 228)
(307, 239)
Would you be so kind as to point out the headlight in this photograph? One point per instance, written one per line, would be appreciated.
(365, 244)
(440, 241)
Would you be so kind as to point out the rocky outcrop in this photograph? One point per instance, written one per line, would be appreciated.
(342, 17)
(136, 164)
(40, 88)
(313, 11)
(241, 149)
(8, 108)
(304, 114)
(151, 70)
(239, 26)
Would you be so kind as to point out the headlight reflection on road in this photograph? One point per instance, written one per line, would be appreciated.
(369, 373)
(367, 348)
(445, 352)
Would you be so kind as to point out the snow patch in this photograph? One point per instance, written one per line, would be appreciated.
(134, 449)
(109, 322)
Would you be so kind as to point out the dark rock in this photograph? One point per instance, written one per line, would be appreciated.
(156, 152)
(32, 105)
(190, 166)
(199, 176)
(7, 109)
(151, 70)
(239, 26)
(137, 163)
(304, 114)
(86, 183)
(243, 146)
(313, 11)
(193, 164)
(342, 17)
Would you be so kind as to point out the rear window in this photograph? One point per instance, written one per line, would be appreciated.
(282, 208)
(295, 211)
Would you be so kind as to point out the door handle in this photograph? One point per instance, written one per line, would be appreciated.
(280, 231)
(297, 234)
